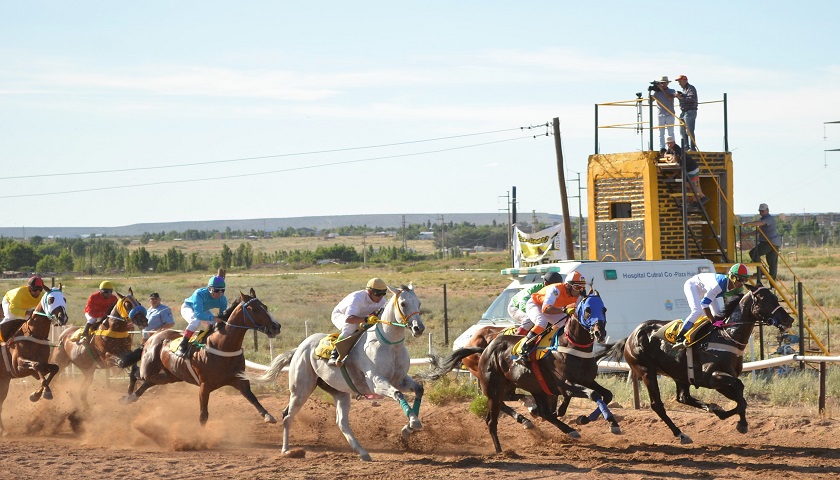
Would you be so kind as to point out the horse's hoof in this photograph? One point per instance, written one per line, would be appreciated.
(527, 424)
(615, 430)
(128, 399)
(742, 428)
(415, 424)
(685, 439)
(406, 432)
(574, 434)
(582, 420)
(294, 453)
(269, 419)
(365, 457)
(35, 397)
(48, 395)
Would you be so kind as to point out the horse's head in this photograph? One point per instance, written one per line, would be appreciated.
(765, 307)
(128, 309)
(54, 306)
(255, 315)
(408, 308)
(592, 315)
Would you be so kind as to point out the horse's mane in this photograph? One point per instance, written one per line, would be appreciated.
(220, 325)
(733, 305)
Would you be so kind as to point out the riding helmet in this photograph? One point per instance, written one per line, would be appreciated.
(550, 278)
(106, 285)
(739, 271)
(216, 282)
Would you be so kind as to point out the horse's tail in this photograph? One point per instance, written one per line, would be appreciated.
(277, 365)
(613, 352)
(441, 367)
(128, 359)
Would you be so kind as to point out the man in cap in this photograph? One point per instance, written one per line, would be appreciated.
(354, 314)
(19, 303)
(664, 98)
(159, 316)
(197, 310)
(769, 242)
(98, 306)
(688, 112)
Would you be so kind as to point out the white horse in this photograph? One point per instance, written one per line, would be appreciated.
(378, 364)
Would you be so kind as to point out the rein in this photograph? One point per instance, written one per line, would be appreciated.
(242, 306)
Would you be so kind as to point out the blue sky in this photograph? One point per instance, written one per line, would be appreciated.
(140, 87)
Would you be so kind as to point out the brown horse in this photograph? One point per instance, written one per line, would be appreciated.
(719, 357)
(568, 369)
(220, 362)
(108, 342)
(26, 349)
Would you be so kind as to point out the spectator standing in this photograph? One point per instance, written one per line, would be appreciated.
(769, 241)
(159, 315)
(665, 107)
(688, 112)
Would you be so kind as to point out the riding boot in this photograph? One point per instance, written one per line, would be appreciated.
(527, 345)
(183, 348)
(679, 342)
(333, 361)
(85, 334)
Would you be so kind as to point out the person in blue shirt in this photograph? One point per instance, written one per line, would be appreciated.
(159, 316)
(705, 293)
(196, 309)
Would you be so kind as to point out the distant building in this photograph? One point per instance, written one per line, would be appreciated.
(427, 235)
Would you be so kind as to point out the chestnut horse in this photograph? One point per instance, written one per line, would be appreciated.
(220, 362)
(568, 369)
(25, 347)
(107, 344)
(718, 357)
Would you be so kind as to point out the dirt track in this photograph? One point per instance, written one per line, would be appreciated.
(159, 437)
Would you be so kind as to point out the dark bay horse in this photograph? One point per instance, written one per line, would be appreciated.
(220, 362)
(481, 338)
(25, 347)
(568, 369)
(111, 340)
(716, 361)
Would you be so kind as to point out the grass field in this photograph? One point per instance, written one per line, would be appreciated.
(302, 299)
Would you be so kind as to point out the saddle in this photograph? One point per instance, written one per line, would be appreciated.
(700, 330)
(548, 339)
(326, 346)
(196, 340)
(330, 342)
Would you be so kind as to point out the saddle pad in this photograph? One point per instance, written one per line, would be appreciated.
(542, 346)
(509, 331)
(326, 345)
(76, 335)
(673, 328)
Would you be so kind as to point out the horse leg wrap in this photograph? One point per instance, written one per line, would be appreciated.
(604, 410)
(405, 407)
(594, 415)
(416, 407)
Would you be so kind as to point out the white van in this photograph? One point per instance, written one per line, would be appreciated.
(633, 292)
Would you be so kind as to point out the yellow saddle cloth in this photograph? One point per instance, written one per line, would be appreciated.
(196, 339)
(695, 333)
(509, 331)
(326, 346)
(542, 346)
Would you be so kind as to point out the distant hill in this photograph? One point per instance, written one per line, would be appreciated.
(387, 221)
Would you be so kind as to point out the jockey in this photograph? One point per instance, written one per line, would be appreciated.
(705, 292)
(553, 304)
(516, 307)
(99, 306)
(196, 309)
(19, 303)
(353, 313)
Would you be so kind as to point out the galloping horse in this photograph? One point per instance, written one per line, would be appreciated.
(221, 362)
(25, 347)
(107, 344)
(377, 365)
(567, 369)
(719, 357)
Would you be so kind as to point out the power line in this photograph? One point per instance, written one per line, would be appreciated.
(245, 159)
(115, 187)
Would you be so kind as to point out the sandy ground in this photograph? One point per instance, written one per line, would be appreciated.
(159, 437)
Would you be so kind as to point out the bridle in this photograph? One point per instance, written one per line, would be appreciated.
(243, 306)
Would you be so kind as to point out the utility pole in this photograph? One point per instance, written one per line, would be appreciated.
(509, 225)
(533, 221)
(364, 249)
(580, 215)
(564, 201)
(404, 233)
(442, 238)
